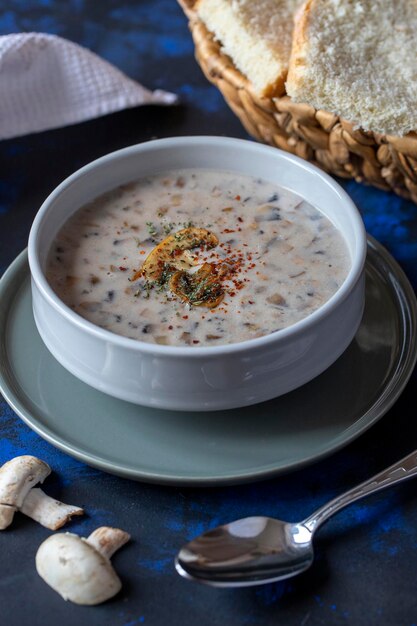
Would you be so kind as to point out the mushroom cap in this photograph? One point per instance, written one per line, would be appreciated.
(18, 476)
(75, 570)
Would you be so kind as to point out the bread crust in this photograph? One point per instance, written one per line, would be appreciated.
(275, 89)
(302, 20)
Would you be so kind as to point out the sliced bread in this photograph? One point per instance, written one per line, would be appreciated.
(257, 35)
(356, 58)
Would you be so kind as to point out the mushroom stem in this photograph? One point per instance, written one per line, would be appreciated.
(17, 477)
(107, 540)
(6, 515)
(47, 511)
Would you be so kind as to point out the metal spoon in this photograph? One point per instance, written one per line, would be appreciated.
(258, 550)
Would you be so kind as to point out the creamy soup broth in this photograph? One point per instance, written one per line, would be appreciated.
(277, 259)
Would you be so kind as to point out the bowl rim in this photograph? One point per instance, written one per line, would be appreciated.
(353, 276)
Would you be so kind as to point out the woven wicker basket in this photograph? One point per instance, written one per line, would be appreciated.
(384, 161)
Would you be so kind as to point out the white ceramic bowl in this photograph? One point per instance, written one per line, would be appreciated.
(204, 378)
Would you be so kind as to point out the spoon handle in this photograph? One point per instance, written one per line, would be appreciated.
(402, 470)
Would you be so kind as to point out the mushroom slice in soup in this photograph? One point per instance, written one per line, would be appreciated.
(202, 288)
(173, 252)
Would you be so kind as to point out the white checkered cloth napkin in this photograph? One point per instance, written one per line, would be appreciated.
(48, 82)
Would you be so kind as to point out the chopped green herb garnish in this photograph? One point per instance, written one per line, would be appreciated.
(168, 227)
(147, 287)
(165, 275)
(151, 228)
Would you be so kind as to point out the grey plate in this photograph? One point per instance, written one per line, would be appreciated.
(222, 447)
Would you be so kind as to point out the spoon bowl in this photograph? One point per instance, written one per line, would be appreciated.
(250, 551)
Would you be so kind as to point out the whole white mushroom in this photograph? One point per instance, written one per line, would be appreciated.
(17, 493)
(17, 477)
(79, 569)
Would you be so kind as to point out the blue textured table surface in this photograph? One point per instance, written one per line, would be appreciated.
(364, 573)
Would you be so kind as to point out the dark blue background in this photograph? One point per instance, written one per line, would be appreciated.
(365, 572)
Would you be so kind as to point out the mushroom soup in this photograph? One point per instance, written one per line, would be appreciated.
(197, 257)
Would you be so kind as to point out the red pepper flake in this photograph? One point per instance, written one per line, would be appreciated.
(232, 293)
(195, 341)
(237, 197)
(142, 252)
(251, 302)
(122, 269)
(239, 219)
(185, 317)
(229, 230)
